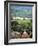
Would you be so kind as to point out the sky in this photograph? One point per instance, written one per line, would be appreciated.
(22, 7)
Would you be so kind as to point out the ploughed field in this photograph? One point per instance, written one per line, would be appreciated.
(21, 28)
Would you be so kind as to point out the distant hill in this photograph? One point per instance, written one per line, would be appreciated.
(21, 11)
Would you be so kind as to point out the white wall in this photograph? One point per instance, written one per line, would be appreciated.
(2, 25)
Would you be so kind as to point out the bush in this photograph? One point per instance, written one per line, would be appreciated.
(21, 25)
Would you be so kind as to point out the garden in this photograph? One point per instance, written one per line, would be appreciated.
(21, 28)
